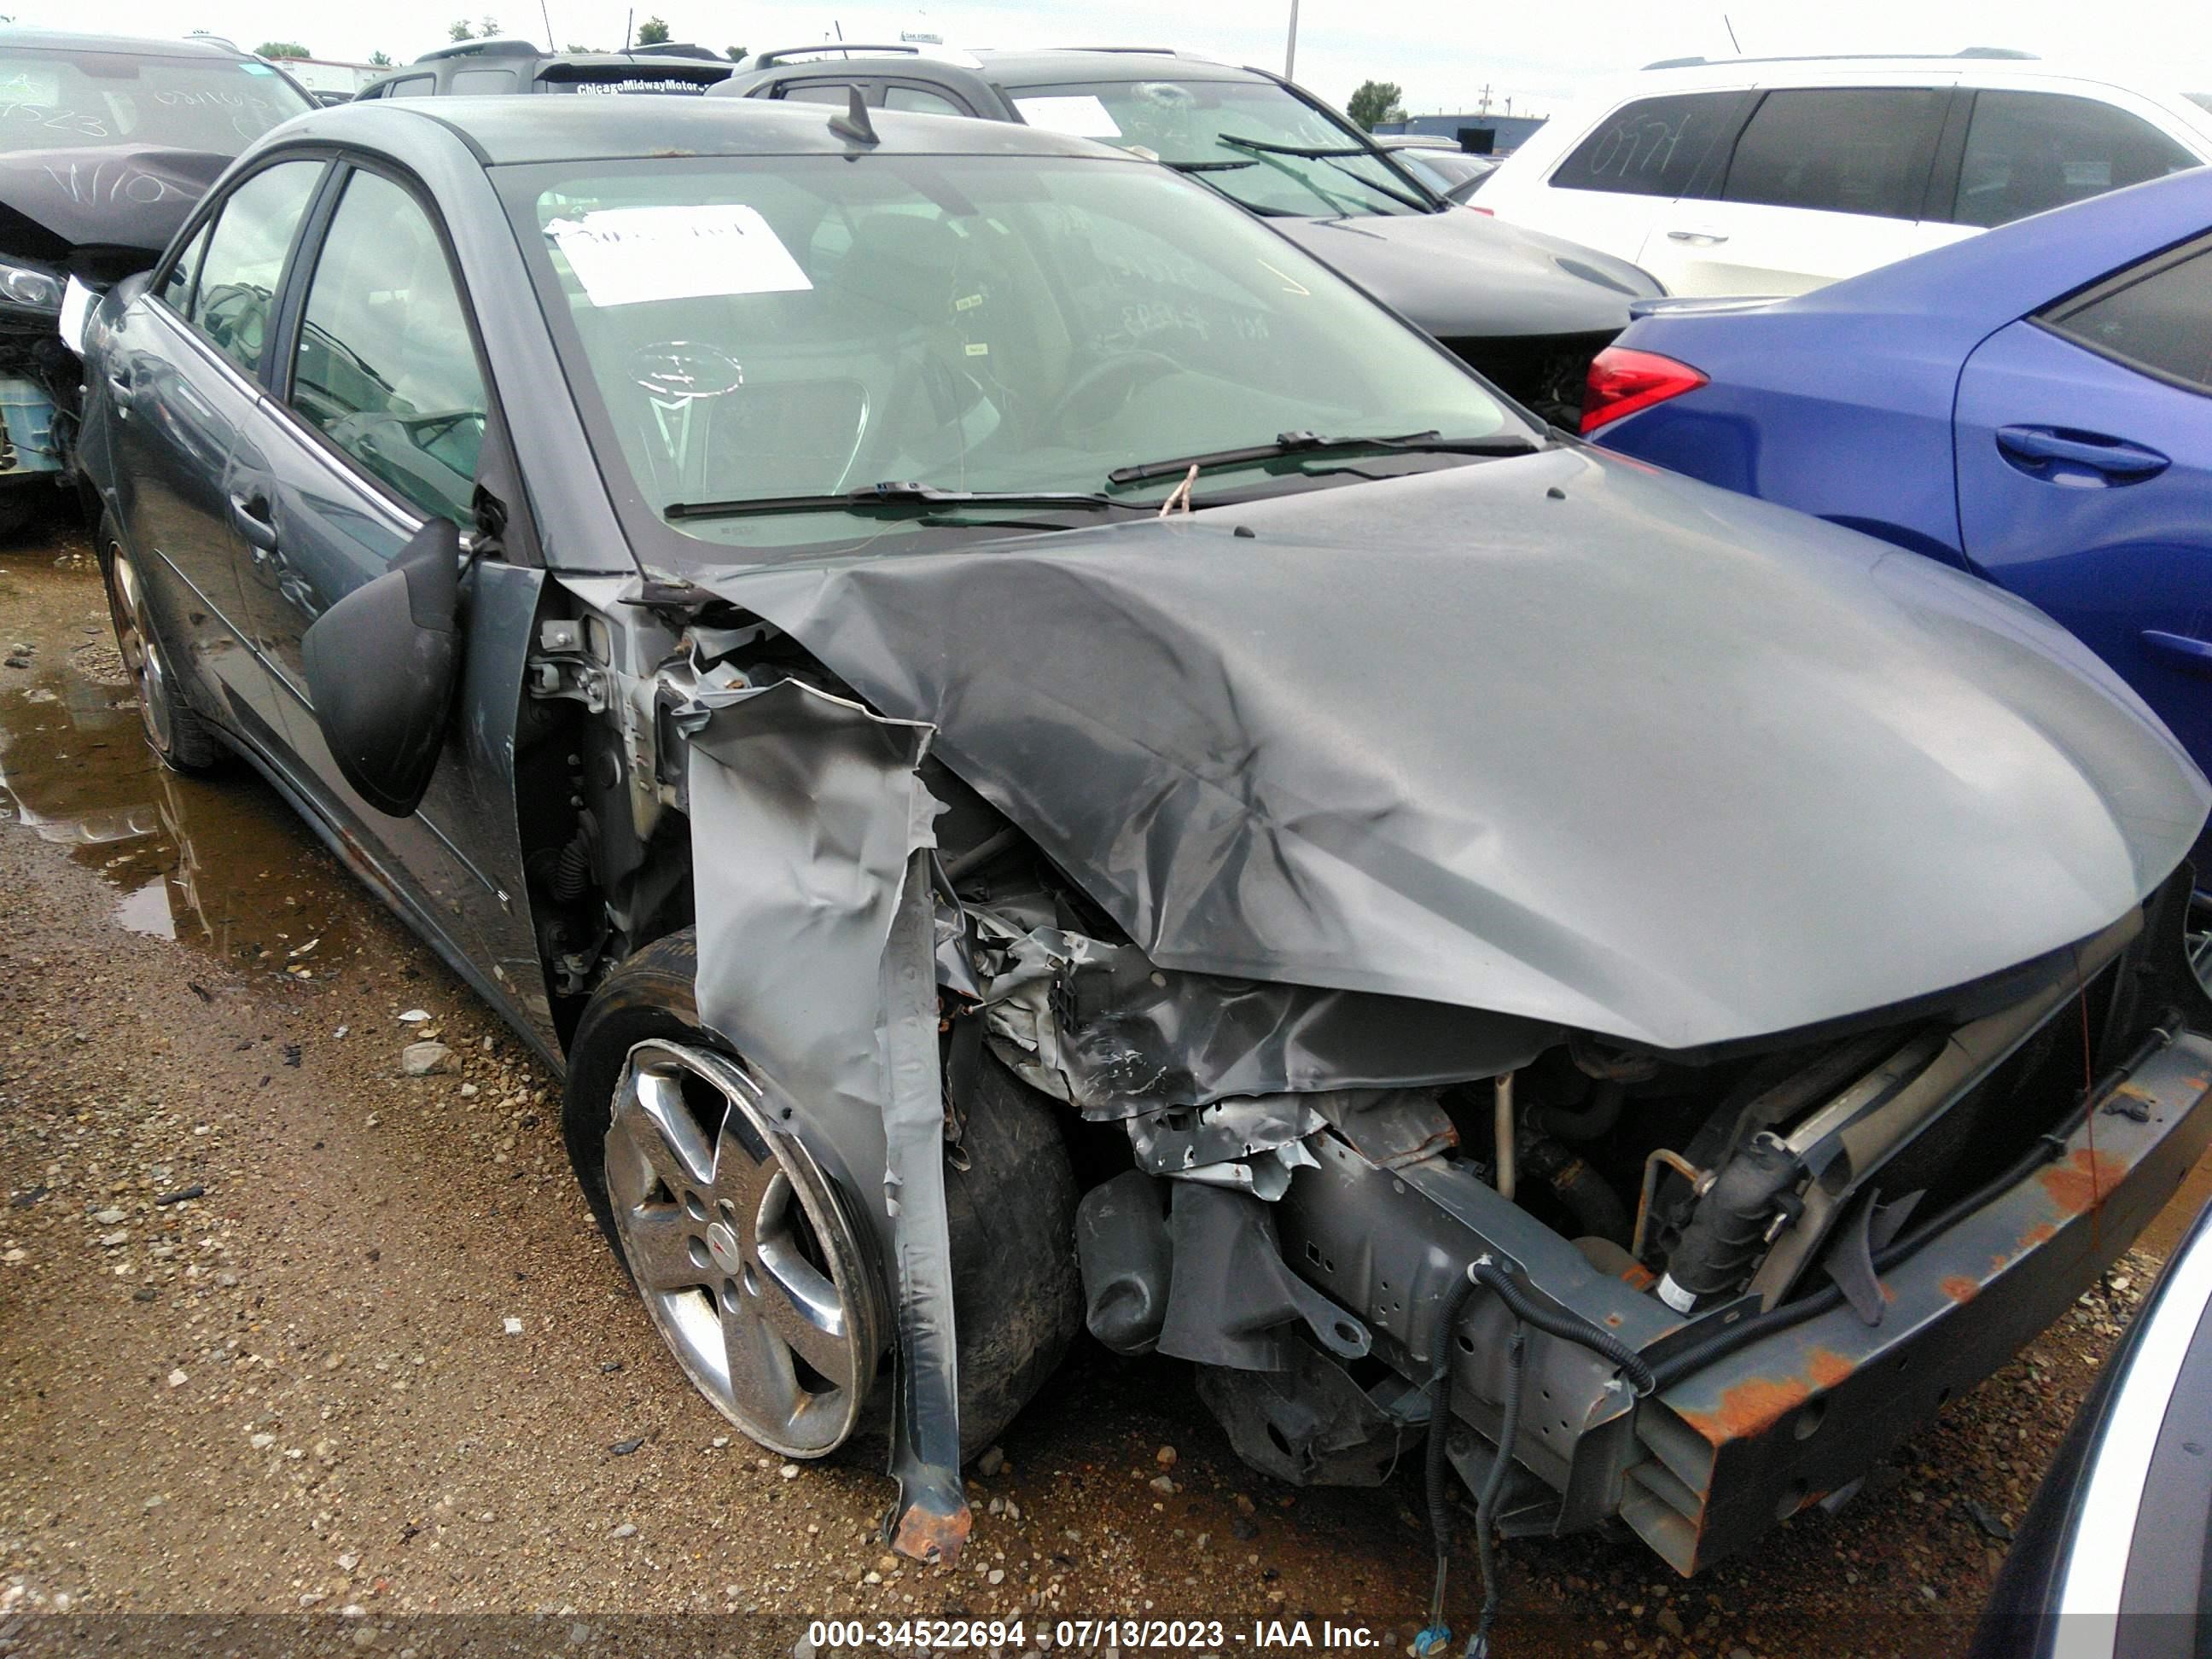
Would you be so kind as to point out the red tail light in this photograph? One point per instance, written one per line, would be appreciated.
(1622, 380)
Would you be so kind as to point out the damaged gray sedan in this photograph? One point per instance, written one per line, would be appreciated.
(1039, 761)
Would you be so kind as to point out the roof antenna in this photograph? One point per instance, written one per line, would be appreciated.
(1731, 29)
(852, 121)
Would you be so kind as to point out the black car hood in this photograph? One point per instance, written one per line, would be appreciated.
(122, 202)
(1460, 274)
(1557, 736)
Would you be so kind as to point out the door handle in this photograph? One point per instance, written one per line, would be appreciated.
(1699, 238)
(2036, 449)
(2191, 656)
(119, 392)
(250, 514)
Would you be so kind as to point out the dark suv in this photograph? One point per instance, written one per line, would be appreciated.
(1529, 311)
(475, 68)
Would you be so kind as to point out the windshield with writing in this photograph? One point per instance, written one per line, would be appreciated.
(741, 328)
(57, 100)
(1195, 123)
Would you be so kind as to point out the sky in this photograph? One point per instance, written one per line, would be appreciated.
(1441, 52)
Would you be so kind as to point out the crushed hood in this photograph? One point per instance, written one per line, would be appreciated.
(1462, 275)
(124, 199)
(1556, 736)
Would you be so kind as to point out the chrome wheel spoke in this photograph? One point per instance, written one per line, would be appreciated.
(668, 1137)
(664, 1248)
(759, 1363)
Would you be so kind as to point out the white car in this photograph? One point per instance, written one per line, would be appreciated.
(1774, 176)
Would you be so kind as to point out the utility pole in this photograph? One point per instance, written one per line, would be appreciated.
(1291, 47)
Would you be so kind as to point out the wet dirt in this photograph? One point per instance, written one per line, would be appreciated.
(300, 1387)
(212, 865)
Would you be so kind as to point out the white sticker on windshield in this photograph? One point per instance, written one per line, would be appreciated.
(627, 256)
(1085, 116)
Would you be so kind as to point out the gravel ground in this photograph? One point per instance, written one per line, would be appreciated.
(282, 1330)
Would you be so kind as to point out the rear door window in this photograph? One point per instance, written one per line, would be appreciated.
(920, 100)
(414, 86)
(465, 82)
(236, 289)
(1653, 147)
(1838, 150)
(839, 93)
(2027, 152)
(388, 368)
(2156, 317)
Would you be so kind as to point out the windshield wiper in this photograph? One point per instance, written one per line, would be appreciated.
(1336, 158)
(897, 498)
(1311, 443)
(1311, 152)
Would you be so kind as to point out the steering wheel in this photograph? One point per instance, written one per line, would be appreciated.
(681, 380)
(237, 315)
(1102, 390)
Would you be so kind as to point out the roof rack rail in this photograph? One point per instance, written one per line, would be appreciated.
(1852, 57)
(506, 46)
(1135, 51)
(845, 48)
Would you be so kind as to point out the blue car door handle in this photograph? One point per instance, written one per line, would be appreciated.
(2040, 446)
(2180, 651)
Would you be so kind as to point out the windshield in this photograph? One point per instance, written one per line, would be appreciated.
(55, 100)
(783, 326)
(1186, 122)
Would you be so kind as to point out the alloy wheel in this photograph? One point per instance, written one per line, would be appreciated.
(141, 653)
(746, 1257)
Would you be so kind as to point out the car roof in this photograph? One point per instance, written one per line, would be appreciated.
(467, 52)
(1067, 64)
(503, 132)
(1012, 70)
(131, 46)
(1977, 66)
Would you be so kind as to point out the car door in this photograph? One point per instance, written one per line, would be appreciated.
(1614, 184)
(376, 420)
(2084, 449)
(186, 360)
(1823, 183)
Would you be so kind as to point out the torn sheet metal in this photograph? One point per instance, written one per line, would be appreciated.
(1177, 1142)
(1557, 736)
(1099, 1026)
(810, 840)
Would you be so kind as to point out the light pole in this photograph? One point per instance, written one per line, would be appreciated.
(1291, 46)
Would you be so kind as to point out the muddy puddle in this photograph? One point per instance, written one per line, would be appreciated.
(218, 864)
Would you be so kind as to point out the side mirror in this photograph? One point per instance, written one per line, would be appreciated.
(381, 665)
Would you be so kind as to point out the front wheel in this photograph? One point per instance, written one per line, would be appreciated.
(760, 1272)
(177, 735)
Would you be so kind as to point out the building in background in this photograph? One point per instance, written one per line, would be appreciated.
(1485, 133)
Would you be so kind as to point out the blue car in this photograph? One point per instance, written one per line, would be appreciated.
(2034, 406)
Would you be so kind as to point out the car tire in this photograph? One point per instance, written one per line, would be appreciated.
(180, 738)
(1010, 1194)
